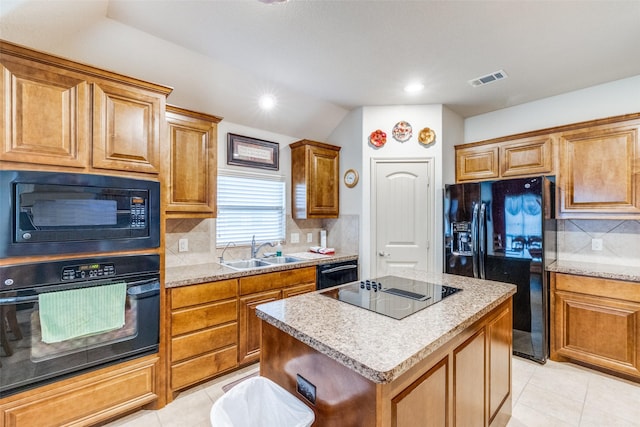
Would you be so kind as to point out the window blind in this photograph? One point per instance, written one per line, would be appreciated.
(250, 204)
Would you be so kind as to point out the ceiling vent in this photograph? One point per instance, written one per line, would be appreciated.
(489, 78)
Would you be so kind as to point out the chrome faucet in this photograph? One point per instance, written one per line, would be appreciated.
(221, 257)
(255, 250)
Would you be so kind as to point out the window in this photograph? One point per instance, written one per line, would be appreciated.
(249, 204)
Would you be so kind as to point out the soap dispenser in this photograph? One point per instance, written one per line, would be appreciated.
(279, 249)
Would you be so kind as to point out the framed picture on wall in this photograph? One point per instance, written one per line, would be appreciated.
(252, 152)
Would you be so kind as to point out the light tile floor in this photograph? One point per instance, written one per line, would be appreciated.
(550, 395)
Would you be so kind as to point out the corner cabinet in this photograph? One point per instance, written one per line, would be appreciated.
(315, 183)
(60, 113)
(192, 163)
(580, 307)
(600, 171)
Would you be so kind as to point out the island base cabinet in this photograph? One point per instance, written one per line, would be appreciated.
(466, 382)
(85, 400)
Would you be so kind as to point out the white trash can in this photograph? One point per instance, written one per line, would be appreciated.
(259, 402)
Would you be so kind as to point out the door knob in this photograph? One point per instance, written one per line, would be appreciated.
(383, 253)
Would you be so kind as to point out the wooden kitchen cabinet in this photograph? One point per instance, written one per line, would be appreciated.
(126, 128)
(315, 182)
(87, 399)
(204, 332)
(511, 158)
(192, 163)
(596, 322)
(260, 289)
(476, 163)
(600, 171)
(60, 113)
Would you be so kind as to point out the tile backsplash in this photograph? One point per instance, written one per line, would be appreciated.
(342, 234)
(620, 241)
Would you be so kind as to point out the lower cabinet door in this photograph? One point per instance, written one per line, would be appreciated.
(424, 402)
(469, 382)
(250, 330)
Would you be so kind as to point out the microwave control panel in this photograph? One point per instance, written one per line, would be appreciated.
(88, 271)
(138, 212)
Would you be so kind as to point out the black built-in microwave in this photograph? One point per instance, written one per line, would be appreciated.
(47, 213)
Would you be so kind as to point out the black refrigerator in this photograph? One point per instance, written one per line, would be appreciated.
(505, 231)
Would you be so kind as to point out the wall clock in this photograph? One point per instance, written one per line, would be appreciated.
(350, 178)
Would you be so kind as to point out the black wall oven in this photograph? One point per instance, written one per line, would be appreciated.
(47, 213)
(68, 317)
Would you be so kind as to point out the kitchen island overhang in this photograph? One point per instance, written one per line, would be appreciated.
(468, 336)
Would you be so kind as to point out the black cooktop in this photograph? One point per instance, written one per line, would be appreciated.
(391, 296)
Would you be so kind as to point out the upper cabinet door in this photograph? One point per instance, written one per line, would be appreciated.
(600, 171)
(476, 163)
(126, 128)
(45, 114)
(527, 156)
(315, 167)
(193, 163)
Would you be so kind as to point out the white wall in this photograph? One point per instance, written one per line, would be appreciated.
(610, 99)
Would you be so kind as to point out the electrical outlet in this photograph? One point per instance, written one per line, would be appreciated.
(309, 237)
(596, 244)
(183, 245)
(295, 237)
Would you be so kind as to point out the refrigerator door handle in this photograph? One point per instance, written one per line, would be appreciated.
(482, 240)
(474, 238)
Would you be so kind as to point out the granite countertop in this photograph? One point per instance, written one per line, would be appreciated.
(604, 271)
(378, 347)
(211, 272)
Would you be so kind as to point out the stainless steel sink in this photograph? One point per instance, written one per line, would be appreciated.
(282, 260)
(246, 264)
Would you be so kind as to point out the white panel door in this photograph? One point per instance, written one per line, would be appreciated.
(403, 212)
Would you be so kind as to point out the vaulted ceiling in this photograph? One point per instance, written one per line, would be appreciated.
(347, 54)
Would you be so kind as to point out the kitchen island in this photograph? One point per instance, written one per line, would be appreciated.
(448, 364)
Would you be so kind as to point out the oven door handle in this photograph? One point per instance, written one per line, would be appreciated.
(339, 268)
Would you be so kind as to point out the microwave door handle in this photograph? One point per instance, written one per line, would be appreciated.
(482, 231)
(474, 238)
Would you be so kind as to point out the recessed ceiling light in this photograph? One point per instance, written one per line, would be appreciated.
(413, 87)
(267, 102)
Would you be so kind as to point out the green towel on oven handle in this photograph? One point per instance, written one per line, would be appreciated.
(80, 312)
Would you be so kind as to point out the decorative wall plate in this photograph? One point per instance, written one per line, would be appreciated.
(402, 131)
(377, 138)
(426, 136)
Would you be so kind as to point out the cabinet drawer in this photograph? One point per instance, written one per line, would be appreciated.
(203, 367)
(193, 319)
(203, 293)
(87, 400)
(281, 279)
(203, 341)
(618, 289)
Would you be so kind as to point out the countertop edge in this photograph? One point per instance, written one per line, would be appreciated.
(603, 271)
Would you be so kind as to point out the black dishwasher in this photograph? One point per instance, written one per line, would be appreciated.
(336, 273)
